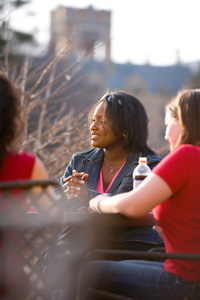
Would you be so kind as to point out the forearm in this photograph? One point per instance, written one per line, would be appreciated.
(107, 204)
(136, 203)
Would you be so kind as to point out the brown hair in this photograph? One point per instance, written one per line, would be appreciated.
(10, 122)
(186, 109)
(172, 109)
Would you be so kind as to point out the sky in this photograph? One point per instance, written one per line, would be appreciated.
(159, 32)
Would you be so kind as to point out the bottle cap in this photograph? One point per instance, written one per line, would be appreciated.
(142, 160)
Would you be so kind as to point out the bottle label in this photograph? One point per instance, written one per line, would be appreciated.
(136, 183)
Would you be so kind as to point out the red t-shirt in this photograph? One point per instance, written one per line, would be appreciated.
(179, 216)
(17, 166)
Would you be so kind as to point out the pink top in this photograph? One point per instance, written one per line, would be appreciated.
(99, 187)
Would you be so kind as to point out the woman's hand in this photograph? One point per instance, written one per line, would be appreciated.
(75, 186)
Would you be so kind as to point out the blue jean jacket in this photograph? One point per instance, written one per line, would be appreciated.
(90, 162)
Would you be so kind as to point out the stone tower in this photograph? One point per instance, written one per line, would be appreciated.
(90, 28)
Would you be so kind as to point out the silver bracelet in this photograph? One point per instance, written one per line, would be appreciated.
(98, 206)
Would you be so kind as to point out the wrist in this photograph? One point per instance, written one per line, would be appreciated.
(98, 208)
(95, 203)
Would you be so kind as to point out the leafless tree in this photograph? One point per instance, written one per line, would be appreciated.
(51, 130)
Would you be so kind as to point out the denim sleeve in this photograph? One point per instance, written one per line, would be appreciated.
(68, 171)
(153, 164)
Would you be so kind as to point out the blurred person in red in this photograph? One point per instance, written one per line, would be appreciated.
(14, 165)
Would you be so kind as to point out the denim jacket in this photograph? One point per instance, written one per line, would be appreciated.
(90, 162)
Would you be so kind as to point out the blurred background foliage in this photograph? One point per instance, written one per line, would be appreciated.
(16, 38)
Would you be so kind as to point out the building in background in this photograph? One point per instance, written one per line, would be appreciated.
(89, 27)
(88, 31)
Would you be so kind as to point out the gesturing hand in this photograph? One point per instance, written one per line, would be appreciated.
(76, 186)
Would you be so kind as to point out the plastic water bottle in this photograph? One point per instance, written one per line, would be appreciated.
(140, 172)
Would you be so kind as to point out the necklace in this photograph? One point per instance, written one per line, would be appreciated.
(112, 168)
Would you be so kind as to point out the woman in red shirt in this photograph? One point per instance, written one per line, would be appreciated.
(14, 165)
(172, 191)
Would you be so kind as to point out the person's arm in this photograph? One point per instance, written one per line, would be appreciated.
(136, 203)
(39, 172)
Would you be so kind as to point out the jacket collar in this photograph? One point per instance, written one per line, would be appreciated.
(95, 155)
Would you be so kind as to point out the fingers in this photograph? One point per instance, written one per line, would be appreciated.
(75, 185)
(79, 176)
(85, 177)
(72, 187)
(71, 196)
(72, 191)
(68, 178)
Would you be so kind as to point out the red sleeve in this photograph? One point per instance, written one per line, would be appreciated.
(173, 169)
